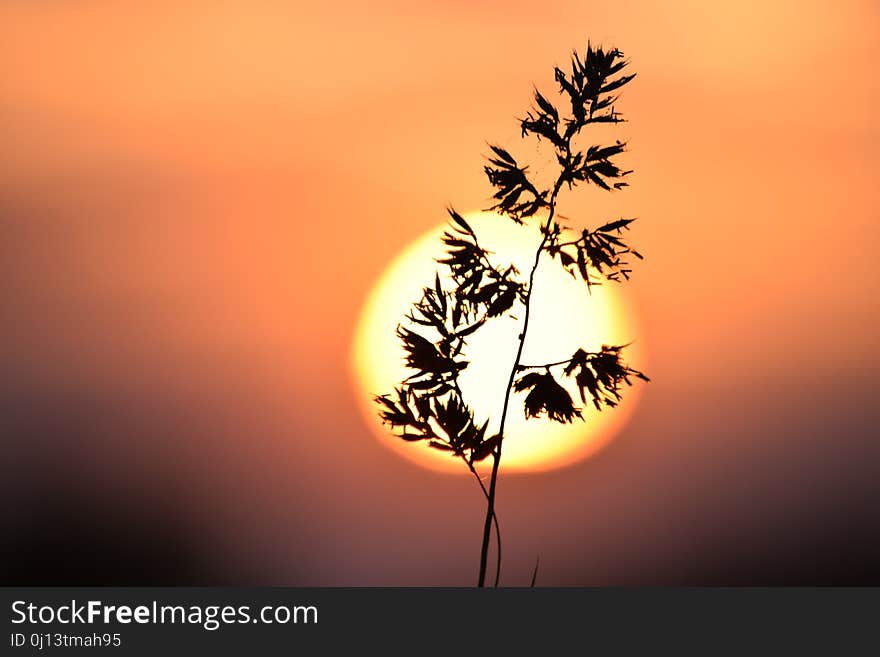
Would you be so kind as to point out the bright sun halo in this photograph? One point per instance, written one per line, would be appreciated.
(564, 317)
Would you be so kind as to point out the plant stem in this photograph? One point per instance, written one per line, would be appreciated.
(496, 455)
(479, 479)
(545, 365)
(494, 517)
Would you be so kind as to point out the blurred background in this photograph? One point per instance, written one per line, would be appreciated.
(196, 197)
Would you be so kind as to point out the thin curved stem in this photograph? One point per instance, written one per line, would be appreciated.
(496, 455)
(479, 479)
(494, 517)
(545, 365)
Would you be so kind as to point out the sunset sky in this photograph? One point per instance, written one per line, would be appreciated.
(197, 197)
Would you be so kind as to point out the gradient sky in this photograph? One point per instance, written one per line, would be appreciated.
(195, 198)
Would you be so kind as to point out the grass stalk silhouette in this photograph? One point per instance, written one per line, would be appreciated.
(429, 405)
(496, 456)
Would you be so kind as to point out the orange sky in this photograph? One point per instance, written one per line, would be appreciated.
(196, 197)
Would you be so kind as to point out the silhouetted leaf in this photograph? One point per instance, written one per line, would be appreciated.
(502, 303)
(503, 154)
(440, 294)
(546, 395)
(528, 381)
(485, 448)
(546, 106)
(436, 444)
(460, 222)
(615, 225)
(582, 264)
(616, 84)
(424, 356)
(470, 329)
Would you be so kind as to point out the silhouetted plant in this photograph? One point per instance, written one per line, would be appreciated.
(429, 405)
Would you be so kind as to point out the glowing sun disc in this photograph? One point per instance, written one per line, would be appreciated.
(564, 317)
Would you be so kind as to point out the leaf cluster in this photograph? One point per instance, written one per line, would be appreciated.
(594, 166)
(428, 405)
(511, 183)
(589, 85)
(602, 250)
(547, 396)
(599, 375)
(480, 285)
(589, 89)
(445, 422)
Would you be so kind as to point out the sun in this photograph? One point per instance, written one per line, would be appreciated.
(564, 317)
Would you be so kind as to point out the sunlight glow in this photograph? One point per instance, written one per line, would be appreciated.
(564, 317)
